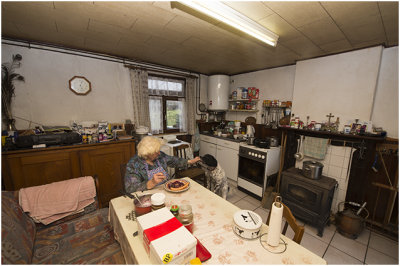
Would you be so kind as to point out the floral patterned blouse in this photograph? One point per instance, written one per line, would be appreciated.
(136, 175)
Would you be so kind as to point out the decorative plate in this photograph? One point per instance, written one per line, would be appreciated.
(250, 120)
(177, 185)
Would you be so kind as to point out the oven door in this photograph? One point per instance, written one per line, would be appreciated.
(252, 171)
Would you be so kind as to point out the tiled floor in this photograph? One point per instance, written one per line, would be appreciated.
(368, 248)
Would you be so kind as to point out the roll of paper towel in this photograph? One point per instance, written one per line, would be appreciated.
(275, 223)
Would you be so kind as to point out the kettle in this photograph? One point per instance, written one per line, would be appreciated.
(250, 131)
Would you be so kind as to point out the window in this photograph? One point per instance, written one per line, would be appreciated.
(167, 104)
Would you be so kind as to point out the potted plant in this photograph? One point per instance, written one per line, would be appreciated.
(8, 77)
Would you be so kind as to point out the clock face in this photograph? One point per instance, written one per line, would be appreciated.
(80, 85)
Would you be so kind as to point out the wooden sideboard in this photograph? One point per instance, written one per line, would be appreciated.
(33, 167)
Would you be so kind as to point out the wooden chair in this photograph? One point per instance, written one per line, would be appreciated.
(290, 220)
(193, 172)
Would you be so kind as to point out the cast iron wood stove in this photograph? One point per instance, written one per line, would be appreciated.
(309, 200)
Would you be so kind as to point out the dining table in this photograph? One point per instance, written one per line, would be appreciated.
(213, 227)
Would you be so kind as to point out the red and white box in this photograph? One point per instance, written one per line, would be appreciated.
(165, 239)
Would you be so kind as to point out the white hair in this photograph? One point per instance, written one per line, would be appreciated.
(149, 145)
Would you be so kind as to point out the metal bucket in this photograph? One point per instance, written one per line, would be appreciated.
(349, 223)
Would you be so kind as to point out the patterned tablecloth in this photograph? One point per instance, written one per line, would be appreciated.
(213, 219)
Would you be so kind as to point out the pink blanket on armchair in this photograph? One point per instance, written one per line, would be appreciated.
(48, 203)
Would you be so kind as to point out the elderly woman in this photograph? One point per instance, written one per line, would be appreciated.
(148, 168)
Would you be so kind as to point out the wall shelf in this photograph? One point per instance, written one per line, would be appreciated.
(240, 110)
(244, 103)
(244, 100)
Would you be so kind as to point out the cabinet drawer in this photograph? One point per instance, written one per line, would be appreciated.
(228, 144)
(208, 139)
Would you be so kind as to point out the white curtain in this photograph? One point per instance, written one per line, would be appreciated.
(156, 115)
(191, 105)
(183, 116)
(166, 86)
(140, 97)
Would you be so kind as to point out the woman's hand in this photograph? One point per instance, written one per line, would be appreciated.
(157, 178)
(194, 160)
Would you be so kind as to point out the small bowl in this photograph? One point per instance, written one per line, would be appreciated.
(224, 135)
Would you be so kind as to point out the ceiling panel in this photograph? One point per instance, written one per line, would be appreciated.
(298, 13)
(254, 10)
(351, 13)
(390, 14)
(336, 47)
(281, 27)
(303, 47)
(373, 30)
(156, 33)
(322, 31)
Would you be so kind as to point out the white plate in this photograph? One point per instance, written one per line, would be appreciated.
(176, 191)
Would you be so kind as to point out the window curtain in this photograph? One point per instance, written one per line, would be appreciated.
(183, 116)
(166, 86)
(156, 115)
(140, 97)
(191, 105)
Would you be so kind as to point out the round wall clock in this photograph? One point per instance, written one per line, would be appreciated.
(80, 85)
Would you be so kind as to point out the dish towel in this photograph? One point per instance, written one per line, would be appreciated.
(51, 202)
(315, 147)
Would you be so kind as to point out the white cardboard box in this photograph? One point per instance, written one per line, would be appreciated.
(165, 239)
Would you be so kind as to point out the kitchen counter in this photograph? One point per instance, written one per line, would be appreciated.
(224, 138)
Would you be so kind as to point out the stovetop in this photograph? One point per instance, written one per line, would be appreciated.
(257, 148)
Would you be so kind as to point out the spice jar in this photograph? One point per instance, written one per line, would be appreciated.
(175, 210)
(157, 201)
(186, 217)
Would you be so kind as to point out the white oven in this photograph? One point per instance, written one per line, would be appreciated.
(255, 166)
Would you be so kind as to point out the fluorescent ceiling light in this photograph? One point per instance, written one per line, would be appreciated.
(230, 16)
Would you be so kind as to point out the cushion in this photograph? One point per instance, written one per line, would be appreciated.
(88, 239)
(17, 232)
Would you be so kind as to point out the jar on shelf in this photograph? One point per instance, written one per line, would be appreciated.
(244, 93)
(157, 201)
(186, 217)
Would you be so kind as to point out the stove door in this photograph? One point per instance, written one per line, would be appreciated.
(252, 171)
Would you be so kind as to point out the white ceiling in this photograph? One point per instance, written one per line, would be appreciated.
(154, 32)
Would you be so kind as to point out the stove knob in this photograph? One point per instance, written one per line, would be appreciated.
(263, 157)
(259, 156)
(250, 153)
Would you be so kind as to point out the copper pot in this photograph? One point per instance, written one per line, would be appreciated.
(349, 223)
(143, 208)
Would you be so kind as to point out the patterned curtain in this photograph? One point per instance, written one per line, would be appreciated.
(140, 97)
(191, 105)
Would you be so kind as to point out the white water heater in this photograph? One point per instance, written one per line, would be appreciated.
(218, 92)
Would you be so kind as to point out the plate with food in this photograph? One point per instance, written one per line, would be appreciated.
(177, 185)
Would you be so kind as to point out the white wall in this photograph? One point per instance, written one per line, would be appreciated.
(342, 84)
(386, 105)
(274, 84)
(45, 97)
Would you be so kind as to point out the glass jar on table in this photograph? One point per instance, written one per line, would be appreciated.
(186, 217)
